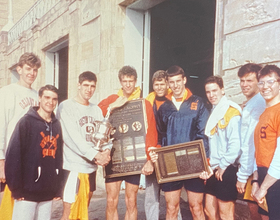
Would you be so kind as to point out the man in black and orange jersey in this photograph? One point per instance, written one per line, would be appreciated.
(266, 183)
(34, 159)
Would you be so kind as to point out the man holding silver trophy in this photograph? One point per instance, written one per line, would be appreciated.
(81, 154)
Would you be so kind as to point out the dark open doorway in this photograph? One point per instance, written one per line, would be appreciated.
(57, 66)
(63, 74)
(182, 33)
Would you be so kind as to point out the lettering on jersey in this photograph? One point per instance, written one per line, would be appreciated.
(263, 132)
(49, 145)
(89, 122)
(88, 137)
(89, 129)
(194, 105)
(28, 101)
(85, 120)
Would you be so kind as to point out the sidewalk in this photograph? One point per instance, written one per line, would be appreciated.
(98, 205)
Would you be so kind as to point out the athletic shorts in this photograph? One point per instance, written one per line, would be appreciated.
(193, 185)
(272, 196)
(132, 179)
(224, 190)
(91, 179)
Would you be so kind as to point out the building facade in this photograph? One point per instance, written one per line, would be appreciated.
(213, 37)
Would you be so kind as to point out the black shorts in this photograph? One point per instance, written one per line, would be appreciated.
(193, 185)
(133, 179)
(2, 187)
(91, 179)
(224, 190)
(272, 196)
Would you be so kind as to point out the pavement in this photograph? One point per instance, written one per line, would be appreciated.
(98, 206)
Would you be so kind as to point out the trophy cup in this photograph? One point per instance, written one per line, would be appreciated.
(103, 129)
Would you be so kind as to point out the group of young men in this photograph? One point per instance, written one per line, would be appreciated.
(45, 157)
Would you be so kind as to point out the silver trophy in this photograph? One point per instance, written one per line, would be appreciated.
(103, 129)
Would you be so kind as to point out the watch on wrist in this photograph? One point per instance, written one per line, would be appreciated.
(254, 181)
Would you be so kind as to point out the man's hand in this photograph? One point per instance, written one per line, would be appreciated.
(240, 187)
(255, 188)
(219, 174)
(119, 102)
(2, 171)
(262, 191)
(148, 168)
(153, 155)
(56, 198)
(103, 158)
(205, 175)
(259, 195)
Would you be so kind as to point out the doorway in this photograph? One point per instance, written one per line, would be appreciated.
(63, 74)
(182, 33)
(57, 68)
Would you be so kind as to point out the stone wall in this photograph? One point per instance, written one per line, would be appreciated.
(248, 33)
(3, 13)
(94, 30)
(20, 7)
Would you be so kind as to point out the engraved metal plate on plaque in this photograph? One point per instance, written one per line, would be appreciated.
(180, 161)
(128, 152)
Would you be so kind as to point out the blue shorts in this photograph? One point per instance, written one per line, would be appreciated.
(132, 179)
(224, 190)
(272, 196)
(193, 185)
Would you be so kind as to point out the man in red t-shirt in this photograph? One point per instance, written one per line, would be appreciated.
(128, 78)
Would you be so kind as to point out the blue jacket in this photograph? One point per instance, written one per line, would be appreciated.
(183, 125)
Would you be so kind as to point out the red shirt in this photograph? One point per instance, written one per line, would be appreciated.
(151, 136)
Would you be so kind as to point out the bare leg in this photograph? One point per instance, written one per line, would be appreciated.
(196, 205)
(172, 204)
(211, 207)
(265, 217)
(66, 211)
(226, 209)
(89, 197)
(113, 190)
(131, 201)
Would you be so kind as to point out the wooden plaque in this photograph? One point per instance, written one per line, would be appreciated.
(180, 161)
(128, 152)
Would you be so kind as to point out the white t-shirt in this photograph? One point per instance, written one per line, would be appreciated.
(15, 102)
(77, 122)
